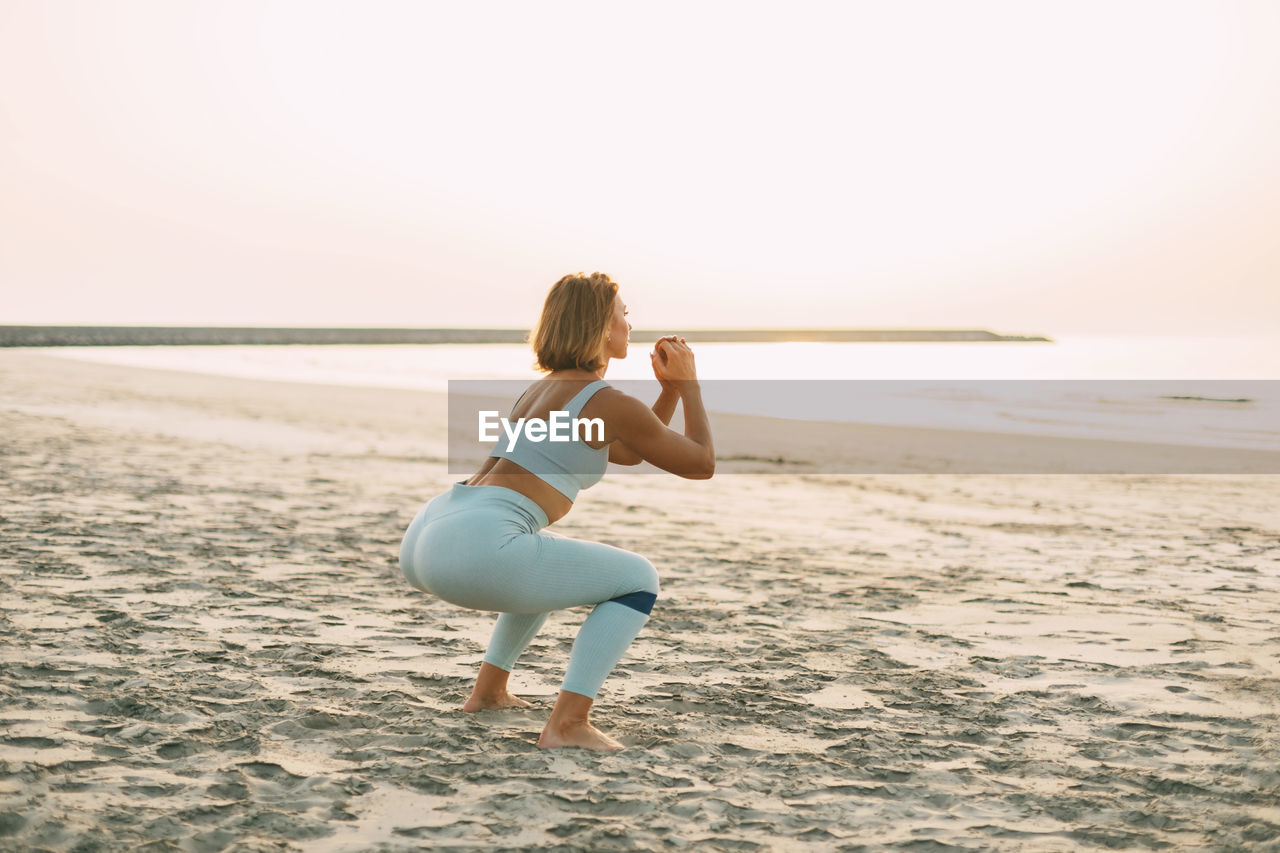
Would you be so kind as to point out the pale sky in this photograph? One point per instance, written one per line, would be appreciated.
(1027, 167)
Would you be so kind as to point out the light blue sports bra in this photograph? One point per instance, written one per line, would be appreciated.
(566, 466)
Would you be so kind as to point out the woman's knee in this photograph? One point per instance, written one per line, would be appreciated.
(641, 589)
(648, 576)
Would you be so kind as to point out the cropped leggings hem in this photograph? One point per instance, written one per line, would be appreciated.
(486, 548)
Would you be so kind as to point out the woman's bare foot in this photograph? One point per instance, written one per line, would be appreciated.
(568, 725)
(490, 692)
(493, 703)
(584, 735)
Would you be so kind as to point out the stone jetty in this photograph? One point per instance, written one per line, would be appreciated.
(105, 336)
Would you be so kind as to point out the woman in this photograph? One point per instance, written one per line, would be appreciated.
(484, 544)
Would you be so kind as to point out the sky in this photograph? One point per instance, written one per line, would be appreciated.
(1036, 168)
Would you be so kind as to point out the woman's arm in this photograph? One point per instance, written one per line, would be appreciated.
(664, 407)
(691, 455)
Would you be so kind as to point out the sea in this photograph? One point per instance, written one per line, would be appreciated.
(1196, 390)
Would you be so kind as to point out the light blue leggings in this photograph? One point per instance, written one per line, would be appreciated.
(485, 547)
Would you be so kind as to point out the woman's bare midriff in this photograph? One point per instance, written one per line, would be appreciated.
(509, 475)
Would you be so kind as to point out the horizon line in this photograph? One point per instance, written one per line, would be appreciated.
(177, 335)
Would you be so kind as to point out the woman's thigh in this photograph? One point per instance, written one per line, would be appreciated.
(591, 572)
(532, 572)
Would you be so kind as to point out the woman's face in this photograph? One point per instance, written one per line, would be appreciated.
(619, 331)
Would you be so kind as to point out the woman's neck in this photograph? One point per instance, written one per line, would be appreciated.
(581, 374)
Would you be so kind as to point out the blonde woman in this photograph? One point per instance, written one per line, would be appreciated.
(484, 544)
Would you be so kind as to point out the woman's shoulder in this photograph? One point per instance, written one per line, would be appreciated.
(611, 400)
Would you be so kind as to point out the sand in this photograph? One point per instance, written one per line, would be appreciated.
(208, 646)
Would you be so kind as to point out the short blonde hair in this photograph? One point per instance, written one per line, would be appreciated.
(575, 320)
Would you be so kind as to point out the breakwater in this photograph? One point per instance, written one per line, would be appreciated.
(105, 336)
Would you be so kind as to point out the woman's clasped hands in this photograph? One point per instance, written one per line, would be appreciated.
(673, 361)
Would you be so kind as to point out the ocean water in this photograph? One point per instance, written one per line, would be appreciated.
(1217, 391)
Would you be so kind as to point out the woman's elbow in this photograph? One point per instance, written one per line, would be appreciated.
(704, 472)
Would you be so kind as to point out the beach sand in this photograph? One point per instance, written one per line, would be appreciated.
(207, 645)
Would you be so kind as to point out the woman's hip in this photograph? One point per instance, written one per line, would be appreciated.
(469, 534)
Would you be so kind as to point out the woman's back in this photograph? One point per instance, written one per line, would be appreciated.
(551, 441)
